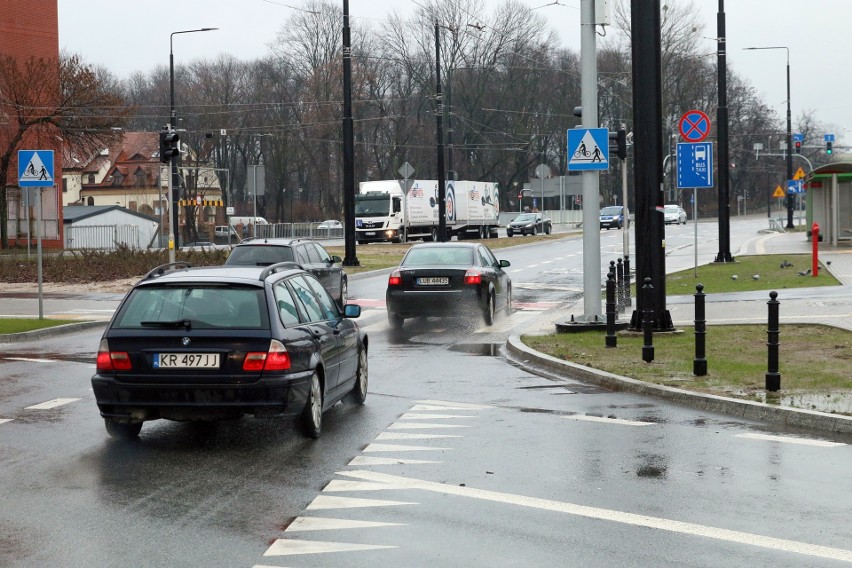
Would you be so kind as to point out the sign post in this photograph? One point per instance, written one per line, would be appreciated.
(35, 169)
(694, 170)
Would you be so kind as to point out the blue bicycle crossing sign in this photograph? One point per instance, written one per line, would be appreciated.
(35, 168)
(588, 149)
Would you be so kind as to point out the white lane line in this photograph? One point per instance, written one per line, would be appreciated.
(4, 420)
(342, 486)
(304, 524)
(373, 448)
(422, 426)
(30, 360)
(547, 262)
(445, 405)
(790, 440)
(603, 420)
(410, 416)
(516, 270)
(372, 460)
(326, 502)
(412, 436)
(52, 403)
(612, 515)
(283, 547)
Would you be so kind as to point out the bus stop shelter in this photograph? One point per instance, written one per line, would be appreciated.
(829, 201)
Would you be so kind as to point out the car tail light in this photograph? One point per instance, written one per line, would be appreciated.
(276, 359)
(112, 360)
(472, 277)
(395, 279)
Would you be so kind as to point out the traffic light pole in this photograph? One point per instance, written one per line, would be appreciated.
(789, 148)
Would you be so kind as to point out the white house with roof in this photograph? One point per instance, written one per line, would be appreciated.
(106, 227)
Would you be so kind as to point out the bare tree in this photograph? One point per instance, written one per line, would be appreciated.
(44, 98)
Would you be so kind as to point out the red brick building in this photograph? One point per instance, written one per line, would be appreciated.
(30, 28)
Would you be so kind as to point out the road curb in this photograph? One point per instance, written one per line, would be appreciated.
(50, 331)
(795, 417)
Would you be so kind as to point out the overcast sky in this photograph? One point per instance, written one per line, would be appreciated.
(127, 37)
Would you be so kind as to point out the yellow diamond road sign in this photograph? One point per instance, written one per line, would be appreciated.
(800, 174)
(778, 192)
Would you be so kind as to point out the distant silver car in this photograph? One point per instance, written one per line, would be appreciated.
(674, 214)
(330, 224)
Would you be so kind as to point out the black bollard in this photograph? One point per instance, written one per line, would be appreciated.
(773, 377)
(627, 281)
(648, 321)
(611, 339)
(699, 364)
(619, 288)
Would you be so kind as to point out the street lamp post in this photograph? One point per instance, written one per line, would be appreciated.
(173, 164)
(789, 151)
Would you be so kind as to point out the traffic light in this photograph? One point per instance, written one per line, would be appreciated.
(798, 146)
(828, 149)
(168, 145)
(620, 138)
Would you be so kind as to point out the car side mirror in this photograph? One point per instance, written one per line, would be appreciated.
(504, 263)
(351, 311)
(335, 259)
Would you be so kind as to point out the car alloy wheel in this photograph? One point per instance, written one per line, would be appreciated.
(312, 415)
(534, 231)
(489, 310)
(359, 392)
(344, 292)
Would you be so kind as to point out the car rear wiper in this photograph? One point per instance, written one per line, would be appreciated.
(174, 323)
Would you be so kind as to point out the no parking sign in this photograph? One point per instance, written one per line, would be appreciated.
(694, 126)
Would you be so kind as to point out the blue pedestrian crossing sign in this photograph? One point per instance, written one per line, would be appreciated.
(694, 165)
(588, 149)
(35, 168)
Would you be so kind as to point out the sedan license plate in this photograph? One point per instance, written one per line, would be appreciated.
(370, 233)
(433, 281)
(186, 360)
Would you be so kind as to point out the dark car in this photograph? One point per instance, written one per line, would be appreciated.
(529, 224)
(202, 344)
(440, 279)
(612, 217)
(307, 254)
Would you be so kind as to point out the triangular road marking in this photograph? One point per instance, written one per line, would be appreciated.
(284, 547)
(52, 404)
(325, 502)
(397, 448)
(304, 524)
(373, 460)
(340, 485)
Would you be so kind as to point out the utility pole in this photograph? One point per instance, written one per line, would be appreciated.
(439, 111)
(722, 128)
(350, 258)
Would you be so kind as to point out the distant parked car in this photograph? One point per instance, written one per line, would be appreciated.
(222, 231)
(612, 217)
(529, 224)
(330, 224)
(674, 214)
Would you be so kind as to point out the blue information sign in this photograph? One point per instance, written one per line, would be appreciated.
(588, 149)
(694, 165)
(795, 186)
(35, 168)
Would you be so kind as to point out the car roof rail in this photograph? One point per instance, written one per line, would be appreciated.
(273, 268)
(164, 268)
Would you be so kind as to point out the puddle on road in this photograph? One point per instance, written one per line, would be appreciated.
(481, 349)
(834, 402)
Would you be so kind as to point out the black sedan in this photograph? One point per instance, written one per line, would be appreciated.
(529, 224)
(219, 342)
(442, 279)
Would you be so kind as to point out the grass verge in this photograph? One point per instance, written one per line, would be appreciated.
(812, 358)
(17, 325)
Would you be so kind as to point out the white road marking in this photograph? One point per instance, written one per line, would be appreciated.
(372, 460)
(422, 426)
(451, 405)
(283, 547)
(547, 262)
(4, 420)
(372, 448)
(516, 270)
(409, 436)
(304, 524)
(30, 360)
(531, 266)
(604, 420)
(612, 515)
(790, 440)
(52, 403)
(342, 486)
(325, 502)
(410, 416)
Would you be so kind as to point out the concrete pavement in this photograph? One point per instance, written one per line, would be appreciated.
(824, 305)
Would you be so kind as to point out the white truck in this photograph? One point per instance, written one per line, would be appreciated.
(399, 210)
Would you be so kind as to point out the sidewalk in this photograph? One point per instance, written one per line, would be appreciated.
(822, 305)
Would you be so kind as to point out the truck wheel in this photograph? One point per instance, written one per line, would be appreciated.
(403, 235)
(434, 235)
(483, 233)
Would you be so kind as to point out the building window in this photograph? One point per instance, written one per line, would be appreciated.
(117, 179)
(91, 178)
(64, 185)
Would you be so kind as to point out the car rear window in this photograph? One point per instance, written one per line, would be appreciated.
(438, 255)
(259, 255)
(204, 306)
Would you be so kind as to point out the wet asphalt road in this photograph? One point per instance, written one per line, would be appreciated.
(459, 458)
